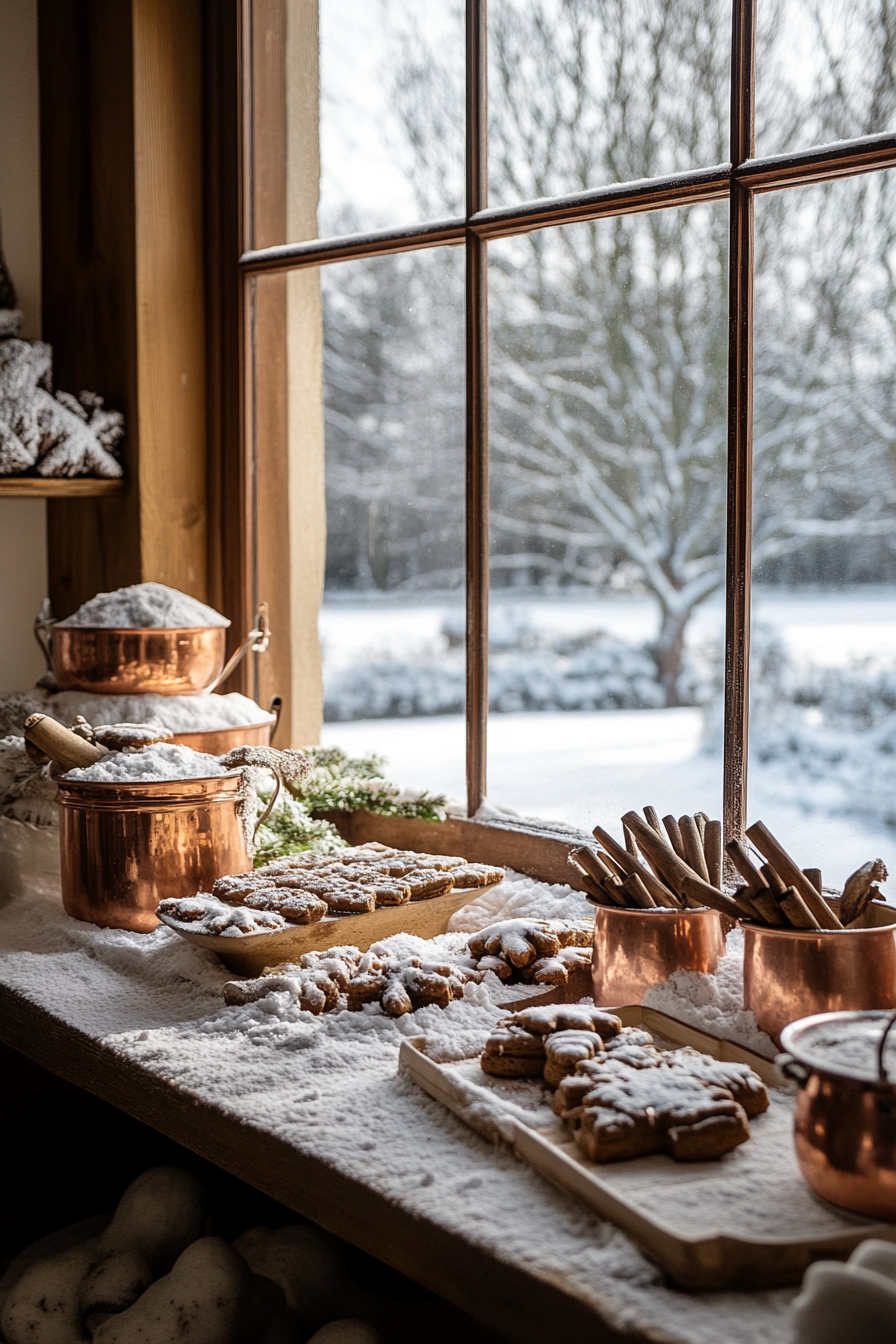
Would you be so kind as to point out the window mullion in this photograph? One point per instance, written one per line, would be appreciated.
(740, 422)
(477, 559)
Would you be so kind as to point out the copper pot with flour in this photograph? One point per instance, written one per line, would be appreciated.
(126, 844)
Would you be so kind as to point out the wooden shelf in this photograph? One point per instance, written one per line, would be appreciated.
(58, 487)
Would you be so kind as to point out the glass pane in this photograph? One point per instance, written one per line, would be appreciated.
(392, 112)
(825, 72)
(358, 118)
(823, 689)
(608, 349)
(392, 620)
(582, 94)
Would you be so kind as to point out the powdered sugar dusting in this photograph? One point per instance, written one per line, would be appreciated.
(161, 761)
(179, 713)
(714, 1003)
(145, 606)
(329, 1086)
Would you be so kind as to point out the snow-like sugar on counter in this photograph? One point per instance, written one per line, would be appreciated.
(329, 1086)
(144, 606)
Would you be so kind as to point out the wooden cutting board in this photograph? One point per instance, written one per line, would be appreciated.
(747, 1220)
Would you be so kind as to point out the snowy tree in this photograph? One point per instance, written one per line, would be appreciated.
(609, 339)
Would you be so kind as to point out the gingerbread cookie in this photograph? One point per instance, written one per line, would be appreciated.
(517, 1047)
(513, 1052)
(316, 982)
(521, 944)
(635, 1112)
(557, 970)
(403, 985)
(467, 875)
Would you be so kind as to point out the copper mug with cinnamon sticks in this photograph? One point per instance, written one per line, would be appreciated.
(635, 949)
(794, 973)
(660, 907)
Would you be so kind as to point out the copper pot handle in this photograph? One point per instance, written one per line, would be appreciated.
(43, 630)
(792, 1071)
(257, 640)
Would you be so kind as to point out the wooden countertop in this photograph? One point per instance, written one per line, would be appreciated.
(512, 1252)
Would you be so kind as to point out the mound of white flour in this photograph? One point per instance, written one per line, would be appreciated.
(161, 761)
(144, 606)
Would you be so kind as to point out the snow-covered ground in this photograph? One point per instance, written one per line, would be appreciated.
(829, 627)
(593, 766)
(589, 768)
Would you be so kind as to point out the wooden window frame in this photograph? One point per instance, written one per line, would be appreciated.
(738, 182)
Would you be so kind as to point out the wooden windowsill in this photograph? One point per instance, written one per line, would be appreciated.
(58, 487)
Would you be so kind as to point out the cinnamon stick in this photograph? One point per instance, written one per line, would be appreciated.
(769, 910)
(653, 819)
(661, 894)
(680, 877)
(712, 848)
(635, 888)
(693, 846)
(590, 862)
(737, 853)
(814, 876)
(591, 887)
(775, 884)
(674, 834)
(797, 911)
(794, 876)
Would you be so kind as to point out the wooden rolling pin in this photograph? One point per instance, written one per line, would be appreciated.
(64, 748)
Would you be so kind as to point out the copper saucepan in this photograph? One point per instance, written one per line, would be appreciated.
(634, 949)
(794, 973)
(124, 847)
(845, 1122)
(125, 661)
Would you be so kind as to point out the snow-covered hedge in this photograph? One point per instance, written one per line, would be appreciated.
(527, 671)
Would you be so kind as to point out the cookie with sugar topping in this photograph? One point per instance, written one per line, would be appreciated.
(519, 941)
(295, 905)
(745, 1086)
(468, 875)
(635, 1112)
(557, 970)
(513, 1052)
(402, 985)
(546, 1018)
(564, 1050)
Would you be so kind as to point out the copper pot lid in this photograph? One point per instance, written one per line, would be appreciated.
(856, 1045)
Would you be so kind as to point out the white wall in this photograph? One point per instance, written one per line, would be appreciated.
(23, 550)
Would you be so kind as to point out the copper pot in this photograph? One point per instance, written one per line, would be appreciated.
(845, 1122)
(109, 661)
(793, 973)
(634, 949)
(125, 847)
(218, 741)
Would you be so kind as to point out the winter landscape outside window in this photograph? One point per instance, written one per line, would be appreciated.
(624, 393)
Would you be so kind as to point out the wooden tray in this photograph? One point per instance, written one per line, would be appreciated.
(250, 954)
(762, 1229)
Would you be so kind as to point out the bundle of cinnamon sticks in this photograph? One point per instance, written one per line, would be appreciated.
(677, 863)
(783, 895)
(670, 864)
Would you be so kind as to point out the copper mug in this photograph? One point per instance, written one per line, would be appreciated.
(845, 1121)
(795, 973)
(634, 949)
(125, 847)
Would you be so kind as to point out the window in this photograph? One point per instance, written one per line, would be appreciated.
(539, 401)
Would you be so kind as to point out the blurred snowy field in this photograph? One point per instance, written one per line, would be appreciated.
(588, 767)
